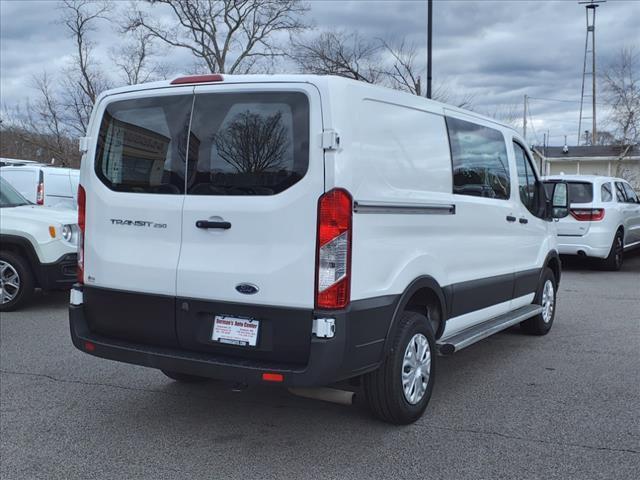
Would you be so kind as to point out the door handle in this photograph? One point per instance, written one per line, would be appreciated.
(208, 224)
(511, 218)
(524, 221)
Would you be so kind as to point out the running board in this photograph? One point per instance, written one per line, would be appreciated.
(476, 333)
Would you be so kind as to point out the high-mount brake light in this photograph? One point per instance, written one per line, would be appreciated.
(587, 214)
(82, 208)
(333, 254)
(214, 77)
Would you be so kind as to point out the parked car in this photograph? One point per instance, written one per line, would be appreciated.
(15, 161)
(248, 228)
(604, 218)
(37, 248)
(43, 184)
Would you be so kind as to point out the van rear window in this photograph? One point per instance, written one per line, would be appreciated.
(142, 144)
(248, 143)
(254, 143)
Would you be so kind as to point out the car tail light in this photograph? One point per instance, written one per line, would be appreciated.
(82, 208)
(587, 214)
(214, 77)
(40, 191)
(333, 255)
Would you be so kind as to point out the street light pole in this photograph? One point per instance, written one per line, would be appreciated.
(429, 41)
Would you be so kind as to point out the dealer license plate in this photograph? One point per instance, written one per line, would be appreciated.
(235, 331)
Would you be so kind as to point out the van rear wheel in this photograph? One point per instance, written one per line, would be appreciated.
(184, 377)
(399, 391)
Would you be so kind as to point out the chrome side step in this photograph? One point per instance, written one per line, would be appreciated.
(476, 333)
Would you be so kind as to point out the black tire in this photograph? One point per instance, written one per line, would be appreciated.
(184, 377)
(542, 323)
(384, 387)
(614, 261)
(11, 262)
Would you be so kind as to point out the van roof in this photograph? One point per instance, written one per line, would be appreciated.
(325, 80)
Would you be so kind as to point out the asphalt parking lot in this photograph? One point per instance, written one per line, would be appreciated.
(513, 406)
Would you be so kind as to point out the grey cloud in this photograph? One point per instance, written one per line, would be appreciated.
(496, 50)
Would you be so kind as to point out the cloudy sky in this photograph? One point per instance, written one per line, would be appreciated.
(496, 51)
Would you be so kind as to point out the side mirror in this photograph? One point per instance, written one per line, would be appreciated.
(558, 205)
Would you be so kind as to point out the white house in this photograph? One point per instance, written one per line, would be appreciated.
(610, 160)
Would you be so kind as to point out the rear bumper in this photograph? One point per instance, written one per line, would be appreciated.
(354, 349)
(595, 243)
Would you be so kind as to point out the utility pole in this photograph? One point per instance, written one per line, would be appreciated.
(524, 119)
(429, 42)
(590, 9)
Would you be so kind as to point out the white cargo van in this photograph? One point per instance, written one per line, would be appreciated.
(302, 230)
(43, 184)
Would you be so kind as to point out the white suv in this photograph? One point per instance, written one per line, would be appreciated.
(302, 230)
(37, 248)
(604, 218)
(43, 184)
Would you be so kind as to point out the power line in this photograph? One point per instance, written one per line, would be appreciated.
(533, 127)
(561, 100)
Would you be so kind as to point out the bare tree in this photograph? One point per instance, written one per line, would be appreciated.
(403, 72)
(227, 36)
(136, 59)
(84, 80)
(37, 133)
(621, 83)
(509, 113)
(340, 53)
(253, 143)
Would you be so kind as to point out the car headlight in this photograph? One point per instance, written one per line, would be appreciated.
(70, 233)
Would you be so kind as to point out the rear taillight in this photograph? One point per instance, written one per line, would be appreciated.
(40, 191)
(333, 255)
(587, 214)
(82, 208)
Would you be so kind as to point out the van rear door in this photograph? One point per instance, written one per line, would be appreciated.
(135, 193)
(256, 171)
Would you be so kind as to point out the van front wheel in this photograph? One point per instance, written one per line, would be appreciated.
(399, 391)
(546, 298)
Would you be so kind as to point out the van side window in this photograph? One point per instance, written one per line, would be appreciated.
(142, 144)
(253, 143)
(620, 195)
(606, 195)
(480, 162)
(526, 179)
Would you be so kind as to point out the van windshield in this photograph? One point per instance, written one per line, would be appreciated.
(253, 143)
(9, 197)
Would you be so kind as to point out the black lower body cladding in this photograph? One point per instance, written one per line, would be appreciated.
(175, 334)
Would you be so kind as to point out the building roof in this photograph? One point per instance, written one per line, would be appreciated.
(591, 151)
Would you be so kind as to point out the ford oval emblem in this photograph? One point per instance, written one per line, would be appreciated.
(247, 288)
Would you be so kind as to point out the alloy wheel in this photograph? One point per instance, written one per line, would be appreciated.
(9, 282)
